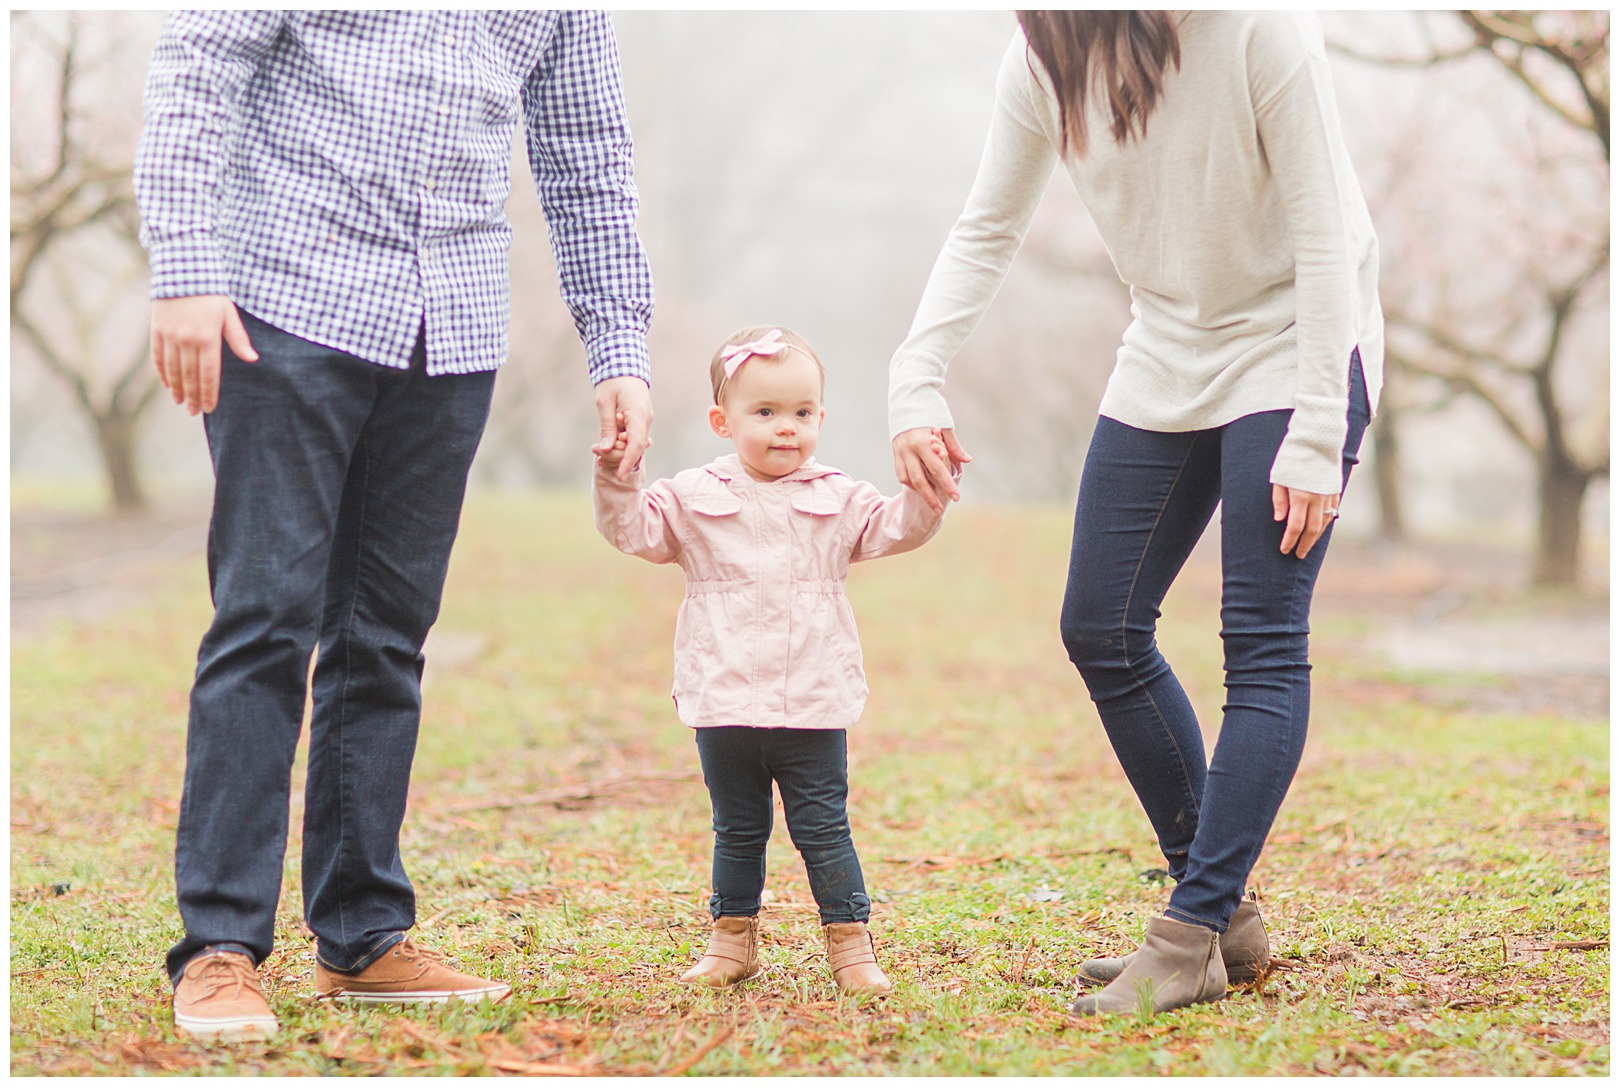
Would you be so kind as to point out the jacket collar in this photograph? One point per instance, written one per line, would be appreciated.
(729, 468)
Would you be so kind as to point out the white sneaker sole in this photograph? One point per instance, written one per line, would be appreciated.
(422, 996)
(248, 1028)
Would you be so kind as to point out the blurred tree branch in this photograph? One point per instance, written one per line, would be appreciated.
(1507, 351)
(84, 183)
(1576, 43)
(1496, 379)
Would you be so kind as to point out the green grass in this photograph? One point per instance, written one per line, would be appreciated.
(1437, 882)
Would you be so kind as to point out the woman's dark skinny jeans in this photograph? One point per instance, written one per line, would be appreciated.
(1145, 499)
(810, 768)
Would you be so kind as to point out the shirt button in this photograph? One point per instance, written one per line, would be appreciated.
(430, 184)
(449, 39)
(444, 107)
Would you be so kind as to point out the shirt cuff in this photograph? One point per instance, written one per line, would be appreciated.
(187, 265)
(620, 353)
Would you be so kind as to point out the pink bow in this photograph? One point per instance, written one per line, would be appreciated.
(735, 354)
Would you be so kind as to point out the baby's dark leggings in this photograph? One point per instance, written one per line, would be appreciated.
(810, 768)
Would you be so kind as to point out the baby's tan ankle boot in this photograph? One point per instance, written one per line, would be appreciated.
(853, 957)
(732, 955)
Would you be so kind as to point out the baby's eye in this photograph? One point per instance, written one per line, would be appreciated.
(804, 413)
(763, 413)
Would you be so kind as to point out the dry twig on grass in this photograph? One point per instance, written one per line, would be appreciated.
(703, 1051)
(569, 793)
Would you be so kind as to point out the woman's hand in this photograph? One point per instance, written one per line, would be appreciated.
(1308, 516)
(918, 464)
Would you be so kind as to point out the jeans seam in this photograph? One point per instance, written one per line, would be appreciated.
(341, 715)
(1124, 620)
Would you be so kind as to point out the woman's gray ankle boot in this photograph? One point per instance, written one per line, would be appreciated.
(1245, 949)
(1176, 965)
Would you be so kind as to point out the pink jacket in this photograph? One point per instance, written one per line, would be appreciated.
(765, 636)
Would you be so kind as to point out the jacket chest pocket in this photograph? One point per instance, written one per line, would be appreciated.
(722, 544)
(814, 527)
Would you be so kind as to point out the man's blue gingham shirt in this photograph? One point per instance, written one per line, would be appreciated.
(341, 175)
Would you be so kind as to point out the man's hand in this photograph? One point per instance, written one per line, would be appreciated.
(1308, 516)
(613, 456)
(926, 460)
(624, 404)
(186, 335)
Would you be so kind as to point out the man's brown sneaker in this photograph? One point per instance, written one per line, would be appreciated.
(405, 974)
(219, 999)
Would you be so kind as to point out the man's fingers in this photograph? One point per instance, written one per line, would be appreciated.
(1279, 502)
(609, 427)
(156, 349)
(236, 335)
(636, 441)
(169, 367)
(188, 382)
(634, 420)
(208, 377)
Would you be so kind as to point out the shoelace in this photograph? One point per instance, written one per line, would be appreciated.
(222, 972)
(409, 949)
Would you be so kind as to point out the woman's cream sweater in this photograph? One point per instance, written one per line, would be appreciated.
(1236, 221)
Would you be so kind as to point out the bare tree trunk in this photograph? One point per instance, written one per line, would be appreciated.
(1387, 473)
(116, 433)
(1562, 492)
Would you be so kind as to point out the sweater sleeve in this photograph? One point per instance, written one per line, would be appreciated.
(889, 526)
(1298, 125)
(1013, 172)
(637, 519)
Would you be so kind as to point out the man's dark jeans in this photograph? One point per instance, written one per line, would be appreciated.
(1145, 499)
(338, 489)
(810, 767)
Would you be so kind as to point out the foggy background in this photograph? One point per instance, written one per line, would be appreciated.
(804, 168)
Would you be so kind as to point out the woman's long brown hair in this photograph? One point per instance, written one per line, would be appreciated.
(1126, 53)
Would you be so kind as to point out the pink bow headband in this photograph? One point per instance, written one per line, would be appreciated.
(734, 355)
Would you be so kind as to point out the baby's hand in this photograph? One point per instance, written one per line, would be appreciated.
(613, 456)
(938, 445)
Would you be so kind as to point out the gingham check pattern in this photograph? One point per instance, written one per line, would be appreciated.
(341, 175)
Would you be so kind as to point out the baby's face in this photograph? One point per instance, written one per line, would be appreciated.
(771, 410)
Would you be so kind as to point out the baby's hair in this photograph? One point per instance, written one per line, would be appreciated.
(750, 333)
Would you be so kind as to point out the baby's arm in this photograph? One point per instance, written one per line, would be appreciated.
(638, 520)
(890, 526)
